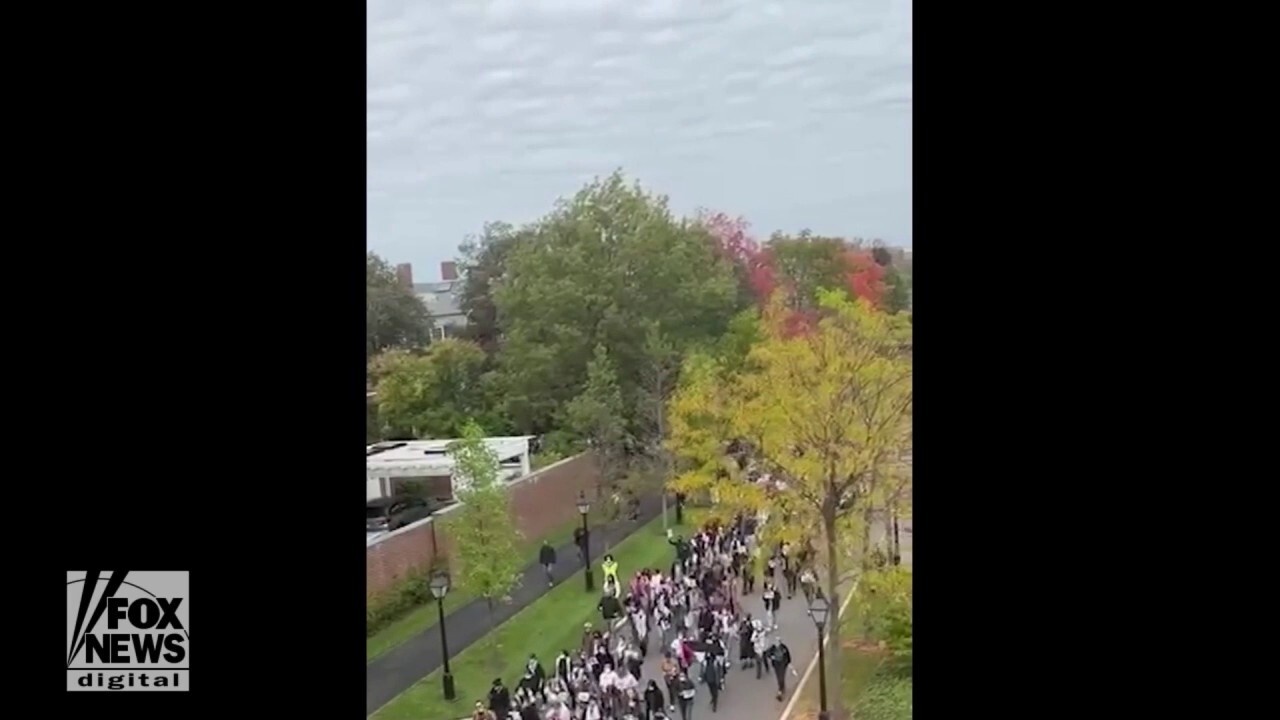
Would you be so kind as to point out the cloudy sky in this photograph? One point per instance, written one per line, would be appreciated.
(792, 114)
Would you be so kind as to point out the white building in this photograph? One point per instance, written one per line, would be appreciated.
(443, 299)
(429, 459)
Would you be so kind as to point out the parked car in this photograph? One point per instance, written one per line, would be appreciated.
(392, 513)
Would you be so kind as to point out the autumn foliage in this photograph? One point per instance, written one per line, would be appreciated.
(761, 275)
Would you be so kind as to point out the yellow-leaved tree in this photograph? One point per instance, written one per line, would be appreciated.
(824, 414)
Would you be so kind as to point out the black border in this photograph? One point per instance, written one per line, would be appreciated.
(205, 171)
(200, 177)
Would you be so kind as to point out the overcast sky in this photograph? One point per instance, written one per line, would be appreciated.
(793, 114)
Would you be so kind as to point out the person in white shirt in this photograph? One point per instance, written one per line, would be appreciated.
(728, 631)
(807, 582)
(761, 643)
(663, 615)
(771, 602)
(608, 678)
(625, 681)
(640, 627)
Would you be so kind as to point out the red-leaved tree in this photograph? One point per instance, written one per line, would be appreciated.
(760, 276)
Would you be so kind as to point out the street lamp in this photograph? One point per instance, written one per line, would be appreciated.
(819, 608)
(583, 508)
(440, 588)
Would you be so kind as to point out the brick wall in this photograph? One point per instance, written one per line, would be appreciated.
(541, 502)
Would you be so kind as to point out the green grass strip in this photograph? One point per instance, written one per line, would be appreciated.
(425, 616)
(551, 624)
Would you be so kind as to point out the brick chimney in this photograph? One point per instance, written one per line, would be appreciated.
(404, 274)
(448, 270)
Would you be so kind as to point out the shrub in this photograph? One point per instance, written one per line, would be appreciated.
(887, 697)
(886, 613)
(384, 608)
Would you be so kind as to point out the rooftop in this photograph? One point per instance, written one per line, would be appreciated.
(418, 458)
(441, 298)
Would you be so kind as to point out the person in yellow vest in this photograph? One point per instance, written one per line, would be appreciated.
(610, 568)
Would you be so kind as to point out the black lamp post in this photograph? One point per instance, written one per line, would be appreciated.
(583, 508)
(440, 588)
(819, 608)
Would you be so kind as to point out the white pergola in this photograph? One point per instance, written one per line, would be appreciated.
(429, 458)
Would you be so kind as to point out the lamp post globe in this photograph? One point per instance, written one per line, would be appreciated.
(819, 608)
(439, 585)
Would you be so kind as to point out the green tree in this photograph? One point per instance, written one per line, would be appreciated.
(394, 316)
(598, 270)
(898, 297)
(434, 393)
(486, 542)
(596, 414)
(484, 261)
(658, 379)
(809, 263)
(734, 347)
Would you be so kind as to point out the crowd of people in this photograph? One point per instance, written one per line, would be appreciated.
(698, 613)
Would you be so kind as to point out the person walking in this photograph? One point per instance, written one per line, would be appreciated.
(653, 700)
(790, 574)
(610, 568)
(746, 643)
(760, 640)
(547, 557)
(713, 675)
(580, 542)
(772, 601)
(686, 690)
(807, 582)
(562, 665)
(610, 609)
(640, 629)
(499, 699)
(671, 675)
(780, 659)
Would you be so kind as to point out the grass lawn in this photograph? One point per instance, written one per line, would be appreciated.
(547, 626)
(424, 616)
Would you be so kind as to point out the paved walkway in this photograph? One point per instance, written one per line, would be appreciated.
(396, 670)
(744, 697)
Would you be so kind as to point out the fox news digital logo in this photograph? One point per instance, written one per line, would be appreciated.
(127, 630)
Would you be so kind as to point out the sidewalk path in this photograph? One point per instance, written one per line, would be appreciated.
(396, 670)
(744, 697)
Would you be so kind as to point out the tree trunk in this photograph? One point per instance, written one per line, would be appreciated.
(833, 618)
(897, 539)
(495, 649)
(666, 464)
(865, 560)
